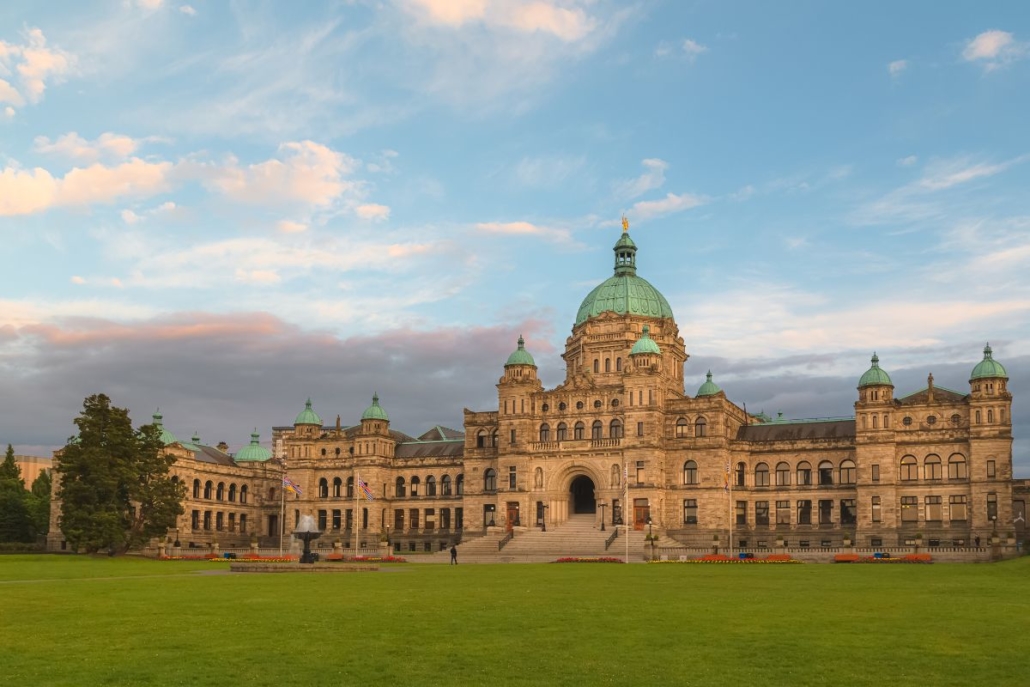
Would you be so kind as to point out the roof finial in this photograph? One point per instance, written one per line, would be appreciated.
(522, 342)
(988, 353)
(625, 224)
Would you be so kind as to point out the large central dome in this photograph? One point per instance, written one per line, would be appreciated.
(624, 293)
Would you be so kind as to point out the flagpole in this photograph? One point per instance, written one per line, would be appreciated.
(282, 509)
(357, 488)
(729, 483)
(625, 505)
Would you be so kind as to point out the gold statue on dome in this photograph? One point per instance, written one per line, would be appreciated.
(625, 224)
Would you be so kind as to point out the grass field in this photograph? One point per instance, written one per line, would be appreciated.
(95, 621)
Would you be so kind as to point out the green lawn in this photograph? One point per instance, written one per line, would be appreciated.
(89, 621)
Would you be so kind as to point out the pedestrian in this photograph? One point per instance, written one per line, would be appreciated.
(454, 555)
(976, 540)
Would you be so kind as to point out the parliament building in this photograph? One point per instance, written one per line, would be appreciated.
(626, 438)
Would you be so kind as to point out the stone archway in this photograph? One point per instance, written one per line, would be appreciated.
(582, 497)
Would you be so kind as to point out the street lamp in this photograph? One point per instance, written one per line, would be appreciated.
(543, 524)
(650, 536)
(602, 504)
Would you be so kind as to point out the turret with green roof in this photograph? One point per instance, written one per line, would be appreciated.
(709, 388)
(875, 376)
(520, 356)
(253, 452)
(988, 368)
(645, 344)
(166, 436)
(308, 416)
(375, 411)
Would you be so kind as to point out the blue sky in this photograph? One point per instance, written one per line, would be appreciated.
(222, 208)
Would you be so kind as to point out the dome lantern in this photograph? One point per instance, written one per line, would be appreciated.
(988, 368)
(709, 388)
(875, 376)
(308, 416)
(520, 356)
(253, 452)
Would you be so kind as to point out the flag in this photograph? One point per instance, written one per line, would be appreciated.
(365, 490)
(290, 485)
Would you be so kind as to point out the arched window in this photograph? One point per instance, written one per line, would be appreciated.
(825, 473)
(597, 430)
(957, 467)
(208, 486)
(243, 493)
(232, 492)
(459, 485)
(761, 475)
(400, 486)
(978, 417)
(271, 494)
(493, 439)
(490, 480)
(597, 365)
(607, 364)
(847, 472)
(577, 431)
(615, 429)
(445, 485)
(616, 475)
(562, 432)
(415, 481)
(932, 467)
(804, 474)
(350, 487)
(739, 475)
(701, 427)
(990, 415)
(323, 488)
(545, 432)
(618, 364)
(196, 488)
(538, 478)
(690, 472)
(782, 475)
(220, 493)
(430, 486)
(337, 487)
(681, 428)
(909, 469)
(481, 439)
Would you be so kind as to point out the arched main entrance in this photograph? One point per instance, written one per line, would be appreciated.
(582, 490)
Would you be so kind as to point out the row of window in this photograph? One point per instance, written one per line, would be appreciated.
(219, 492)
(447, 487)
(958, 511)
(203, 521)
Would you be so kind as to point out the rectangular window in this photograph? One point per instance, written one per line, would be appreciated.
(690, 511)
(992, 507)
(323, 517)
(207, 520)
(877, 516)
(761, 512)
(783, 475)
(445, 518)
(232, 522)
(413, 518)
(219, 521)
(909, 509)
(876, 541)
(337, 519)
(990, 469)
(804, 512)
(957, 468)
(876, 473)
(513, 436)
(848, 512)
(640, 472)
(957, 509)
(640, 429)
(826, 512)
(512, 477)
(741, 512)
(933, 508)
(430, 518)
(825, 474)
(804, 475)
(195, 520)
(459, 518)
(783, 512)
(762, 477)
(243, 522)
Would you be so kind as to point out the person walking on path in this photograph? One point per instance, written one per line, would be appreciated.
(454, 555)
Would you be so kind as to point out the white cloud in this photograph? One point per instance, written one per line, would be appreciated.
(188, 10)
(288, 226)
(897, 66)
(565, 23)
(8, 94)
(71, 145)
(652, 178)
(76, 279)
(907, 161)
(24, 192)
(263, 277)
(944, 174)
(130, 217)
(522, 228)
(9, 111)
(150, 4)
(994, 49)
(692, 49)
(373, 211)
(35, 64)
(671, 203)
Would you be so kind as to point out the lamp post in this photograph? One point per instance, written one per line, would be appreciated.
(543, 524)
(602, 504)
(650, 536)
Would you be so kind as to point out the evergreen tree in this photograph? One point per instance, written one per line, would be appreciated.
(115, 491)
(15, 521)
(39, 505)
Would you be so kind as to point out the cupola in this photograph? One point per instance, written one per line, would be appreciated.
(253, 452)
(645, 344)
(166, 436)
(709, 388)
(308, 416)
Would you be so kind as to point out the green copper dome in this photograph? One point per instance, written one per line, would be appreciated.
(254, 452)
(645, 344)
(874, 376)
(375, 411)
(308, 416)
(709, 388)
(624, 293)
(988, 368)
(166, 436)
(521, 356)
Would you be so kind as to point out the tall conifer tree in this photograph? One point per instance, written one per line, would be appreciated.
(15, 521)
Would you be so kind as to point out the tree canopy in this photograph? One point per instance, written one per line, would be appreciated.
(15, 518)
(116, 492)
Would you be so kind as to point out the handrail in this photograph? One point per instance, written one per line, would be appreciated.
(505, 539)
(609, 540)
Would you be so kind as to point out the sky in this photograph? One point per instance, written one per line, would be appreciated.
(220, 209)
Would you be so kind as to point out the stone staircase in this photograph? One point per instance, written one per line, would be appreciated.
(578, 536)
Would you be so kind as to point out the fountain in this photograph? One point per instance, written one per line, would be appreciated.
(306, 531)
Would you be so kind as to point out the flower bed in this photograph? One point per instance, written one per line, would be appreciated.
(907, 558)
(372, 559)
(215, 558)
(847, 558)
(720, 558)
(602, 559)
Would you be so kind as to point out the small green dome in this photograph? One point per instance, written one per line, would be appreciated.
(375, 411)
(308, 416)
(988, 368)
(624, 293)
(254, 452)
(645, 344)
(874, 376)
(166, 436)
(521, 356)
(709, 388)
